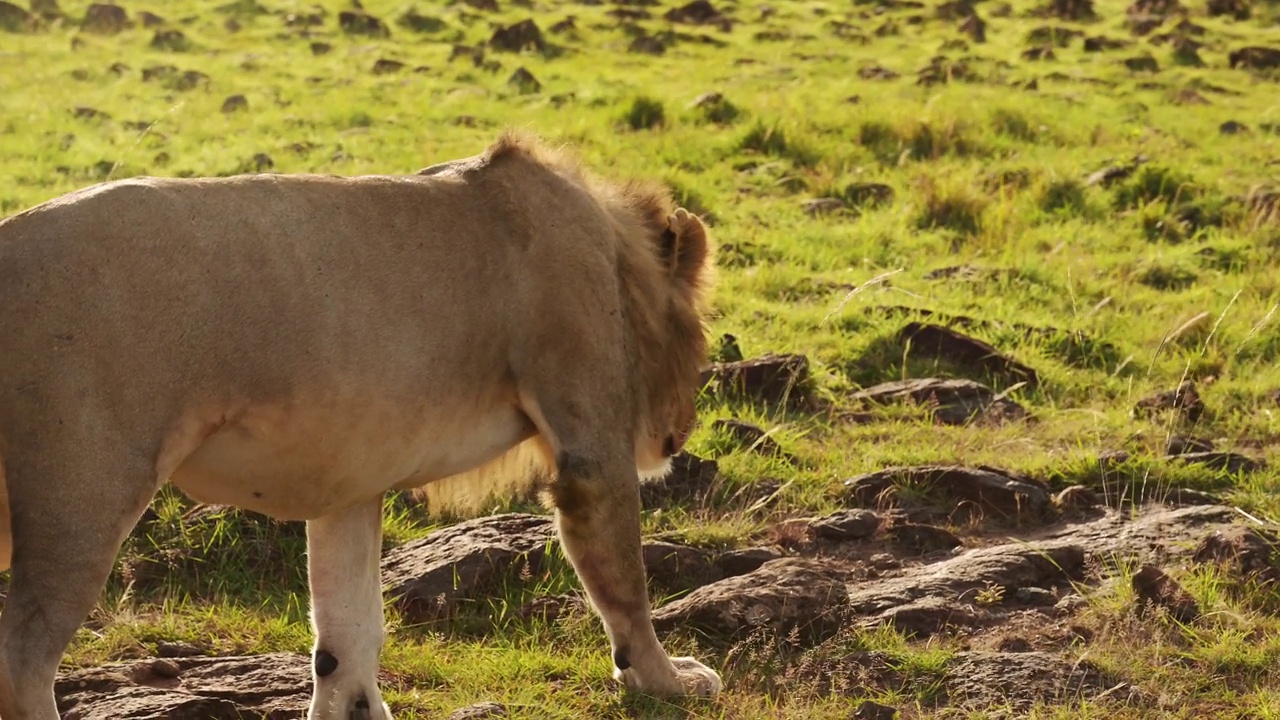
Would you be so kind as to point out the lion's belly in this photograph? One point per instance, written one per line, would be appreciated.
(297, 465)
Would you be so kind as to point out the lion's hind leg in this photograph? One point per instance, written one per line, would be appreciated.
(343, 550)
(73, 496)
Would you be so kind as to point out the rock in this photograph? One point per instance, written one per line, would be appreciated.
(922, 600)
(417, 22)
(740, 562)
(261, 162)
(189, 80)
(1231, 127)
(868, 195)
(487, 5)
(1188, 496)
(359, 22)
(1248, 553)
(158, 72)
(953, 402)
(178, 650)
(1228, 462)
(950, 345)
(1235, 9)
(784, 595)
(1016, 681)
(1155, 588)
(1184, 400)
(211, 688)
(88, 113)
(303, 20)
(823, 206)
(869, 710)
(524, 82)
(1111, 174)
(150, 19)
(921, 538)
(321, 48)
(975, 27)
(550, 608)
(995, 491)
(750, 437)
(1103, 44)
(647, 45)
(1034, 54)
(474, 54)
(1036, 596)
(846, 525)
(235, 103)
(1183, 444)
(1053, 36)
(953, 10)
(521, 36)
(1077, 498)
(480, 711)
(688, 482)
(1254, 58)
(103, 19)
(771, 379)
(1142, 63)
(1073, 10)
(1070, 604)
(678, 567)
(429, 577)
(47, 9)
(15, 19)
(877, 72)
(697, 12)
(1186, 52)
(383, 66)
(940, 71)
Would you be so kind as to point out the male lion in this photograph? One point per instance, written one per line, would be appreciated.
(301, 345)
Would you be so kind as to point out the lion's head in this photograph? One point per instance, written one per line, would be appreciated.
(671, 271)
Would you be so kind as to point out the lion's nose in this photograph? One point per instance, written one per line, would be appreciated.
(669, 446)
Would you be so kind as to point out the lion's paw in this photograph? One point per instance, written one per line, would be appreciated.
(697, 679)
(691, 678)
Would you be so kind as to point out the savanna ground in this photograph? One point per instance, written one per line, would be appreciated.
(1111, 289)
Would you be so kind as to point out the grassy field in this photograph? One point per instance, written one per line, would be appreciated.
(1110, 290)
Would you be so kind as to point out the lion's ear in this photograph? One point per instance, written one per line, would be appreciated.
(684, 246)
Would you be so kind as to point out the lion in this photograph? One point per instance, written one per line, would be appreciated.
(301, 345)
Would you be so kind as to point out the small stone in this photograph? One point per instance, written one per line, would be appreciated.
(868, 710)
(923, 538)
(386, 67)
(165, 668)
(171, 40)
(1077, 497)
(235, 103)
(847, 525)
(103, 19)
(1154, 587)
(1035, 596)
(480, 711)
(524, 82)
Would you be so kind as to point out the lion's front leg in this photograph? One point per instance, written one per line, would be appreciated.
(343, 550)
(598, 515)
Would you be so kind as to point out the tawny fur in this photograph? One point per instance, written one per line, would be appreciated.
(298, 345)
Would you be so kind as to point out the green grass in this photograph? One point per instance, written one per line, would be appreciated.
(1111, 291)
